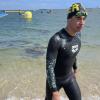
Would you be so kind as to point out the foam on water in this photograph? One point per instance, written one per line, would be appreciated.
(96, 97)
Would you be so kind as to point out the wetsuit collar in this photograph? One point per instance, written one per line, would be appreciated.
(66, 33)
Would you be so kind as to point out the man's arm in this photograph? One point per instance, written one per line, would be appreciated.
(51, 56)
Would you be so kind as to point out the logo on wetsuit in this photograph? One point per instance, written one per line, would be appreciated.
(74, 48)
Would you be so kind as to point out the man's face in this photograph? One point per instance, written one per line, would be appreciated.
(76, 23)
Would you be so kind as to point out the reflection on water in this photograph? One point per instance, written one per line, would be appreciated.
(28, 19)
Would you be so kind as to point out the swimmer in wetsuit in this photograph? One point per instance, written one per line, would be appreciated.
(61, 55)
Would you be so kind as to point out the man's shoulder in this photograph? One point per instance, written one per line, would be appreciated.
(56, 36)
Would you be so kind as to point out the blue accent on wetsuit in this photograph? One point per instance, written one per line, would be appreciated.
(60, 59)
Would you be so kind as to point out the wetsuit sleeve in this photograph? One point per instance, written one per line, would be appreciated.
(51, 56)
(75, 64)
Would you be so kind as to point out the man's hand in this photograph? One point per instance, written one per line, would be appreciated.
(56, 96)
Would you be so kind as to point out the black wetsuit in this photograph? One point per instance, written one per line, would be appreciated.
(60, 59)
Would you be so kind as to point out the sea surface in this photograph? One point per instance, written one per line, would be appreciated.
(23, 46)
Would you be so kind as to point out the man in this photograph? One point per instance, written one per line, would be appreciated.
(61, 56)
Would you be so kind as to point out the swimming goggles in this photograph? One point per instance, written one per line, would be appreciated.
(78, 14)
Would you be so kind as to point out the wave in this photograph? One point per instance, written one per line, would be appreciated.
(13, 43)
(87, 26)
(92, 45)
(35, 52)
(62, 98)
(36, 30)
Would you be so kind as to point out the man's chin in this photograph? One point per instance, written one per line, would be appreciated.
(79, 29)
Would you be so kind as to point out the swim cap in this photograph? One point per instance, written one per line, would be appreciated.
(76, 10)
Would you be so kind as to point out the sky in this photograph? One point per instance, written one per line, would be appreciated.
(44, 4)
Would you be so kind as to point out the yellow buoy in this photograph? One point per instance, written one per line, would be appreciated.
(28, 15)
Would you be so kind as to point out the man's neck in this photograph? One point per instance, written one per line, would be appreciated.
(70, 32)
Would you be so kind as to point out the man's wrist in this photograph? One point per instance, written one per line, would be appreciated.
(56, 93)
(75, 70)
